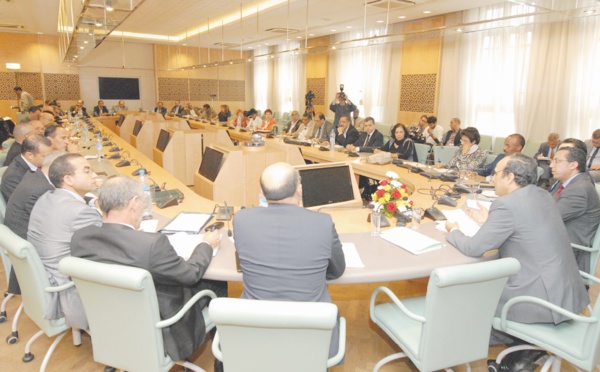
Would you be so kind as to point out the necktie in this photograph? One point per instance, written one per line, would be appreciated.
(318, 133)
(367, 140)
(551, 154)
(592, 157)
(560, 189)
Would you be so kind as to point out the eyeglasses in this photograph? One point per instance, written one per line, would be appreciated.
(555, 160)
(498, 171)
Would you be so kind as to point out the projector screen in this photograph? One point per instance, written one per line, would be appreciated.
(119, 88)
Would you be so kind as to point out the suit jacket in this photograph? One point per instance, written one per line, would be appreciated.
(13, 152)
(489, 168)
(161, 110)
(83, 111)
(22, 200)
(177, 109)
(579, 206)
(55, 217)
(13, 176)
(175, 279)
(325, 131)
(292, 258)
(456, 138)
(99, 111)
(291, 126)
(527, 225)
(116, 109)
(375, 142)
(351, 137)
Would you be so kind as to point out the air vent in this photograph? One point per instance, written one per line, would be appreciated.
(394, 4)
(281, 30)
(11, 27)
(226, 45)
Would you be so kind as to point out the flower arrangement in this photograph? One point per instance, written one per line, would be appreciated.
(391, 196)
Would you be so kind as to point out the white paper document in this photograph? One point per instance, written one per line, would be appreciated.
(352, 256)
(187, 222)
(184, 244)
(473, 204)
(149, 226)
(411, 240)
(465, 223)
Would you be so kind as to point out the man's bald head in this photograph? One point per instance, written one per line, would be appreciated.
(21, 131)
(46, 118)
(37, 127)
(279, 181)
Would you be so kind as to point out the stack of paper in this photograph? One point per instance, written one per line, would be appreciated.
(411, 240)
(465, 223)
(188, 222)
(185, 244)
(352, 256)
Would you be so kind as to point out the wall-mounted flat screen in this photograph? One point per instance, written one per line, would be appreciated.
(211, 163)
(326, 185)
(163, 140)
(137, 127)
(121, 120)
(119, 88)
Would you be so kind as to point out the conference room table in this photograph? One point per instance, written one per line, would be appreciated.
(383, 261)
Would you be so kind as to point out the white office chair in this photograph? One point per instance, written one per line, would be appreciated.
(422, 150)
(2, 201)
(13, 338)
(451, 324)
(576, 340)
(35, 291)
(122, 310)
(270, 336)
(531, 148)
(498, 145)
(444, 154)
(485, 143)
(489, 159)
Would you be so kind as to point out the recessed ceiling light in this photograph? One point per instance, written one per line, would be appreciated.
(459, 29)
(80, 47)
(401, 17)
(311, 34)
(379, 21)
(333, 30)
(333, 47)
(427, 11)
(231, 62)
(203, 65)
(184, 44)
(298, 37)
(272, 56)
(589, 11)
(98, 24)
(249, 59)
(348, 26)
(40, 33)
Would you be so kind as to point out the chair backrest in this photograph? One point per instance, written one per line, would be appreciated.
(490, 158)
(2, 201)
(257, 335)
(122, 310)
(444, 154)
(6, 263)
(498, 145)
(459, 308)
(540, 171)
(32, 279)
(422, 151)
(531, 148)
(485, 143)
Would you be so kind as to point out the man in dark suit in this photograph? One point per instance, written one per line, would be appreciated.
(177, 109)
(33, 150)
(577, 200)
(524, 223)
(21, 131)
(100, 110)
(368, 140)
(320, 129)
(512, 144)
(160, 108)
(452, 137)
(175, 279)
(544, 156)
(79, 109)
(346, 133)
(294, 268)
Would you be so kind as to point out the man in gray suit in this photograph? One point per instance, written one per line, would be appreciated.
(544, 156)
(175, 279)
(33, 150)
(593, 155)
(577, 200)
(368, 140)
(525, 223)
(320, 128)
(55, 217)
(287, 252)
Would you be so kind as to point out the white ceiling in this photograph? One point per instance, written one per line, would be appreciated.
(173, 18)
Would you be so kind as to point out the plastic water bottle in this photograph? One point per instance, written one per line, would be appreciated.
(332, 140)
(69, 116)
(99, 146)
(148, 194)
(86, 134)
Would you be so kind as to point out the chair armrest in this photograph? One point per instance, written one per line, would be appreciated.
(539, 301)
(583, 248)
(216, 349)
(589, 276)
(175, 318)
(59, 288)
(337, 358)
(398, 303)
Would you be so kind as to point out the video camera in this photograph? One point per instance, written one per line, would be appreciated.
(342, 94)
(309, 97)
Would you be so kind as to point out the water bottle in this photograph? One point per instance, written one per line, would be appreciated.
(69, 116)
(99, 146)
(148, 194)
(332, 140)
(86, 134)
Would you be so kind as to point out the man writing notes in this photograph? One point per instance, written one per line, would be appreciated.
(577, 200)
(541, 244)
(294, 268)
(176, 280)
(346, 133)
(369, 140)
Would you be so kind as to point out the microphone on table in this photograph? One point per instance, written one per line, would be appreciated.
(434, 213)
(229, 233)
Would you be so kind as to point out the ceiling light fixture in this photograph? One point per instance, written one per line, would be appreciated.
(459, 29)
(589, 11)
(379, 21)
(427, 11)
(108, 6)
(401, 17)
(13, 66)
(348, 26)
(98, 24)
(333, 30)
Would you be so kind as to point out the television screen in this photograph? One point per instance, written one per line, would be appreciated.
(211, 163)
(326, 185)
(163, 140)
(119, 88)
(121, 120)
(137, 127)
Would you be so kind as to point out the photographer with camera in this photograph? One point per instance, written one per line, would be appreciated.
(341, 105)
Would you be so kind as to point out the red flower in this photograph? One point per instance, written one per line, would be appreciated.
(403, 186)
(383, 182)
(380, 193)
(410, 202)
(396, 194)
(391, 207)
